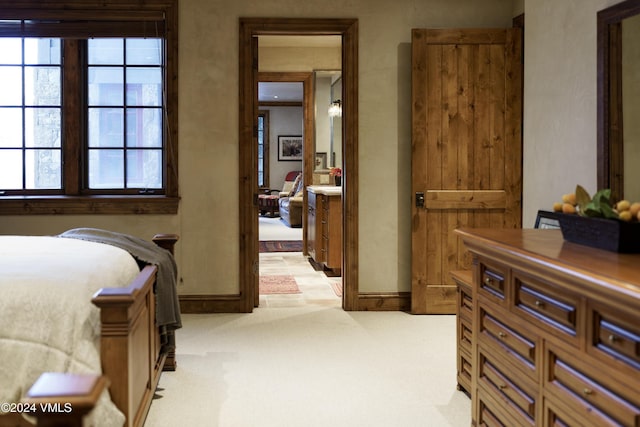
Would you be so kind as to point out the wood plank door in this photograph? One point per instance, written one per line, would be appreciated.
(466, 150)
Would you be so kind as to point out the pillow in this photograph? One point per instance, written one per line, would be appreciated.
(297, 185)
(287, 187)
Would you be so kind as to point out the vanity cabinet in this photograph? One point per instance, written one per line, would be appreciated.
(324, 227)
(555, 334)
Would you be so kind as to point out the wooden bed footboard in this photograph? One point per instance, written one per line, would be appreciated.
(130, 345)
(130, 342)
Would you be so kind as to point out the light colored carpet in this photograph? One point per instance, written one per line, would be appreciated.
(276, 229)
(313, 366)
(300, 360)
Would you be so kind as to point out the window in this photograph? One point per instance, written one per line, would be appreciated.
(88, 102)
(263, 149)
(124, 110)
(30, 114)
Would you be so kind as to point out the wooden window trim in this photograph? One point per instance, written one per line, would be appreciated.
(157, 17)
(266, 148)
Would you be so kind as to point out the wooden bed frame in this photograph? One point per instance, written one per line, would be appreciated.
(129, 349)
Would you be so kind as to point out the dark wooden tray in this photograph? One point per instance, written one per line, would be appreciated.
(608, 234)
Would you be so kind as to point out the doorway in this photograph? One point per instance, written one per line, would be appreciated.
(250, 29)
(288, 98)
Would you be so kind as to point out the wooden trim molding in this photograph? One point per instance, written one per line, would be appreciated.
(201, 304)
(373, 301)
(610, 155)
(384, 301)
(250, 28)
(280, 104)
(79, 205)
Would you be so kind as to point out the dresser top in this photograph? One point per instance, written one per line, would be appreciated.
(548, 250)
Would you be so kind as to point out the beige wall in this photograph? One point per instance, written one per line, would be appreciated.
(207, 222)
(559, 100)
(282, 121)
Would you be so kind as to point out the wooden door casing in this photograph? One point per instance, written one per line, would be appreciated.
(466, 150)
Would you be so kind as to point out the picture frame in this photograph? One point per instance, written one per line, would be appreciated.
(289, 148)
(321, 161)
(547, 220)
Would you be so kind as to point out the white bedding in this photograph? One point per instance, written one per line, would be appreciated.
(47, 320)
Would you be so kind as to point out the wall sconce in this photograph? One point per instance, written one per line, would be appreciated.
(335, 109)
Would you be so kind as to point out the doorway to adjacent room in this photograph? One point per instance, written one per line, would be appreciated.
(250, 30)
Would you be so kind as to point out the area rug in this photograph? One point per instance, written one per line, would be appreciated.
(278, 285)
(280, 246)
(336, 285)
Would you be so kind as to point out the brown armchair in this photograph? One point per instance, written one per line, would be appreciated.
(290, 205)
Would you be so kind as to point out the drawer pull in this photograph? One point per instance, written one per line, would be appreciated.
(539, 303)
(502, 386)
(587, 392)
(487, 280)
(502, 334)
(613, 338)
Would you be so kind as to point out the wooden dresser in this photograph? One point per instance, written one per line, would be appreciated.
(324, 227)
(464, 322)
(555, 337)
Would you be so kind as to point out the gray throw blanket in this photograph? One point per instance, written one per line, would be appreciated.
(167, 304)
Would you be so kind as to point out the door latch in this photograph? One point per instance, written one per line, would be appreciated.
(419, 199)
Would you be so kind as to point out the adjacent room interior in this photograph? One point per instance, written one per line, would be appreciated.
(283, 199)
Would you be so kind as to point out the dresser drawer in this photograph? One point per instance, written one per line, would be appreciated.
(488, 416)
(598, 399)
(464, 371)
(465, 304)
(517, 346)
(463, 280)
(556, 417)
(552, 309)
(517, 392)
(493, 281)
(615, 337)
(464, 335)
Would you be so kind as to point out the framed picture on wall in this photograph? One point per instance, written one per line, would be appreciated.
(290, 148)
(321, 161)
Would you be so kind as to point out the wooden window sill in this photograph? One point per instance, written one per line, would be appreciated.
(81, 205)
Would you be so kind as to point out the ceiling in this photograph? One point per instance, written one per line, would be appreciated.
(280, 92)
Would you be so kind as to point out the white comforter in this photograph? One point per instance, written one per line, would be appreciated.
(47, 321)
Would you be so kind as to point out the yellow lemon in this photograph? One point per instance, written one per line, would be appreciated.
(623, 205)
(625, 216)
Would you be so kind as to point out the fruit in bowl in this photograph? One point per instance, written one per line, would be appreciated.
(598, 222)
(598, 206)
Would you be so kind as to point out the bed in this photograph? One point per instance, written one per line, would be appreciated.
(88, 301)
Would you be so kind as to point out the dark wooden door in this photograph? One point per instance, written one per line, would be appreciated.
(466, 150)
